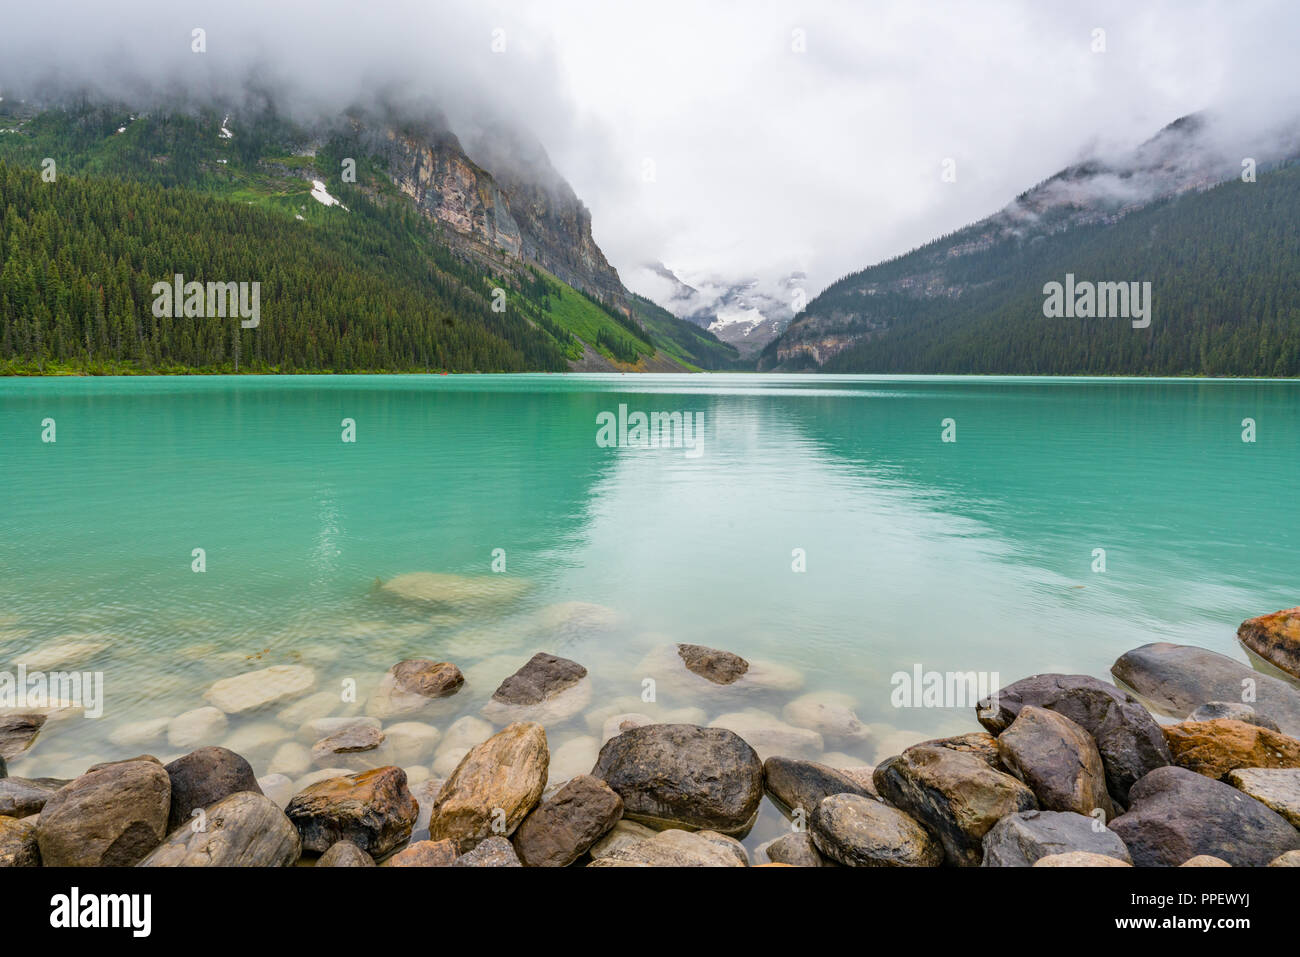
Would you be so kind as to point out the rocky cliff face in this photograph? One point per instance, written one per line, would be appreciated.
(508, 200)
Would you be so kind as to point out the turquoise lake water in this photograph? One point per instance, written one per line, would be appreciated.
(976, 554)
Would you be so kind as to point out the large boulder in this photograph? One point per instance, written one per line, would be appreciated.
(204, 777)
(1127, 737)
(1176, 679)
(1278, 788)
(259, 689)
(494, 787)
(245, 829)
(546, 689)
(1214, 748)
(682, 775)
(860, 831)
(563, 827)
(23, 797)
(804, 784)
(1020, 840)
(1275, 638)
(373, 809)
(956, 795)
(18, 844)
(111, 816)
(1177, 814)
(17, 732)
(1057, 759)
(677, 848)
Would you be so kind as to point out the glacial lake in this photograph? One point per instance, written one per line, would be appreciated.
(820, 525)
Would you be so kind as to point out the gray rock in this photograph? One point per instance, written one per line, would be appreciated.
(1128, 738)
(720, 667)
(684, 775)
(1177, 814)
(18, 845)
(349, 740)
(1020, 840)
(561, 829)
(1233, 710)
(862, 832)
(22, 797)
(111, 816)
(204, 777)
(1058, 760)
(345, 854)
(17, 732)
(245, 829)
(543, 677)
(1276, 788)
(798, 850)
(955, 794)
(677, 848)
(804, 784)
(1179, 678)
(495, 851)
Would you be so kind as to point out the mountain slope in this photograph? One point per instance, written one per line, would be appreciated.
(1221, 261)
(421, 262)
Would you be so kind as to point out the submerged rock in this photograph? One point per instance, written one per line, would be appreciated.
(1214, 748)
(1178, 678)
(111, 816)
(494, 786)
(720, 667)
(677, 848)
(561, 829)
(1058, 760)
(458, 591)
(769, 735)
(547, 689)
(17, 732)
(1127, 737)
(258, 689)
(1275, 638)
(246, 829)
(1021, 839)
(1177, 814)
(196, 727)
(373, 809)
(953, 793)
(681, 775)
(204, 777)
(828, 714)
(1276, 788)
(352, 740)
(410, 686)
(862, 832)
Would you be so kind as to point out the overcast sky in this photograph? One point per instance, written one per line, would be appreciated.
(781, 137)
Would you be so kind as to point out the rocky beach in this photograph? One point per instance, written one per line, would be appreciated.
(1186, 758)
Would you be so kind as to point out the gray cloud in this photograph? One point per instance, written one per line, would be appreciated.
(767, 161)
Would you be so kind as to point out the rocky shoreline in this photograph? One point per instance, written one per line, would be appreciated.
(1067, 770)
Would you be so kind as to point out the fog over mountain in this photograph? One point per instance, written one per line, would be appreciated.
(737, 144)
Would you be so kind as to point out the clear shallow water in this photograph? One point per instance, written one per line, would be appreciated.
(973, 555)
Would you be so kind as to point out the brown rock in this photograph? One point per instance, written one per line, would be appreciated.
(203, 777)
(979, 743)
(424, 854)
(1079, 859)
(345, 854)
(18, 846)
(17, 732)
(23, 797)
(373, 809)
(1275, 638)
(561, 829)
(1204, 860)
(111, 816)
(677, 848)
(1057, 759)
(1214, 748)
(1289, 859)
(429, 679)
(859, 831)
(494, 786)
(720, 667)
(245, 829)
(350, 740)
